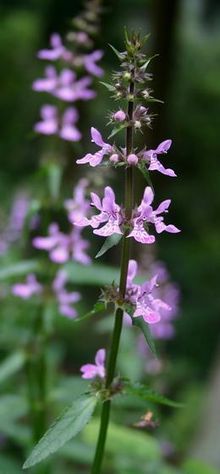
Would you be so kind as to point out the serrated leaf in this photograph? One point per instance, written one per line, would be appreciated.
(11, 365)
(108, 86)
(117, 129)
(150, 395)
(71, 422)
(97, 308)
(143, 169)
(144, 327)
(110, 242)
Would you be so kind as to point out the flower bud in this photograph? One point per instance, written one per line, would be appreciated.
(119, 116)
(137, 124)
(114, 158)
(132, 159)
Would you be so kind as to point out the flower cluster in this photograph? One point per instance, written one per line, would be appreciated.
(73, 81)
(115, 222)
(91, 371)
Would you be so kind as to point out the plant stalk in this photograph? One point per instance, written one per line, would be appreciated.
(125, 255)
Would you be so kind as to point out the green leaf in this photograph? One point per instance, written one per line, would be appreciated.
(146, 63)
(19, 269)
(11, 365)
(118, 53)
(54, 177)
(144, 327)
(71, 422)
(110, 242)
(117, 129)
(150, 395)
(195, 466)
(108, 86)
(95, 275)
(143, 169)
(97, 308)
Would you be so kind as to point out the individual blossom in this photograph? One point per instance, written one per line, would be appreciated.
(110, 215)
(90, 371)
(62, 247)
(145, 215)
(57, 50)
(65, 299)
(90, 60)
(150, 156)
(144, 301)
(96, 158)
(27, 289)
(79, 205)
(51, 125)
(119, 116)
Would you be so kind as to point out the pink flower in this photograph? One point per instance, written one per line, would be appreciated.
(57, 50)
(65, 128)
(47, 83)
(90, 65)
(29, 288)
(62, 247)
(119, 116)
(64, 298)
(154, 164)
(142, 297)
(145, 215)
(110, 215)
(79, 205)
(90, 371)
(96, 158)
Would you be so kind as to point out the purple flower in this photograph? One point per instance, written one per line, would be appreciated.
(90, 371)
(64, 298)
(62, 247)
(29, 288)
(110, 215)
(79, 205)
(57, 50)
(70, 90)
(89, 61)
(119, 116)
(142, 297)
(132, 159)
(154, 164)
(51, 125)
(145, 215)
(47, 83)
(96, 158)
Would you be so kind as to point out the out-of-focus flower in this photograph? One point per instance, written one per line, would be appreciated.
(27, 289)
(57, 50)
(51, 125)
(90, 371)
(96, 158)
(90, 61)
(78, 206)
(62, 247)
(65, 299)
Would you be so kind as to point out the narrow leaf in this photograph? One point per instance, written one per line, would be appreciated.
(11, 365)
(97, 308)
(108, 86)
(118, 53)
(19, 269)
(117, 129)
(71, 422)
(144, 327)
(143, 169)
(146, 393)
(110, 242)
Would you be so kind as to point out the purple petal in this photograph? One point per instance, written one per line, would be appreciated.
(97, 137)
(163, 147)
(164, 205)
(89, 371)
(100, 357)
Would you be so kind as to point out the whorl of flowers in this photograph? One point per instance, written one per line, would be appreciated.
(68, 76)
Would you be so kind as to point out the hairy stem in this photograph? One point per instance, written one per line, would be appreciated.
(125, 255)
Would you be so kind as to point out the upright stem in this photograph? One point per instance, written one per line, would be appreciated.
(125, 254)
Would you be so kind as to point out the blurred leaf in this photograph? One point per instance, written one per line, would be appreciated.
(97, 308)
(108, 86)
(118, 53)
(8, 465)
(143, 169)
(63, 429)
(12, 364)
(95, 275)
(144, 327)
(19, 269)
(77, 451)
(124, 440)
(117, 129)
(148, 394)
(12, 407)
(193, 466)
(110, 242)
(54, 171)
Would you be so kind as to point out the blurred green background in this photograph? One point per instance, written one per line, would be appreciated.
(186, 34)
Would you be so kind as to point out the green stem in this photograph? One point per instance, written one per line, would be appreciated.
(125, 255)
